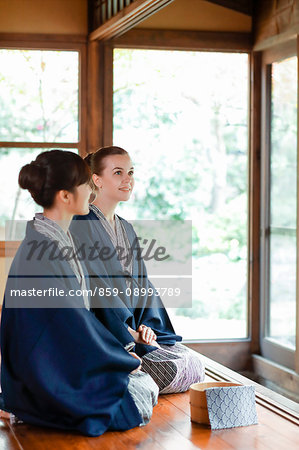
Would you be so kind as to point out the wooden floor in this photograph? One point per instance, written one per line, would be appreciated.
(170, 428)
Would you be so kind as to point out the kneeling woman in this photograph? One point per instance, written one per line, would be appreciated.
(142, 319)
(60, 366)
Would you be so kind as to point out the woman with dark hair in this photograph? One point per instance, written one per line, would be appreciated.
(60, 366)
(136, 315)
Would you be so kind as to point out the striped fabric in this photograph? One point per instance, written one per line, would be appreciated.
(118, 238)
(144, 392)
(173, 367)
(53, 231)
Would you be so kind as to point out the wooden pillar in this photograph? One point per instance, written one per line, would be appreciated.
(254, 202)
(99, 95)
(94, 97)
(108, 94)
(297, 277)
(83, 101)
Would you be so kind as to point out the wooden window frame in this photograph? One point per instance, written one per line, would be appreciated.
(59, 43)
(240, 349)
(270, 350)
(18, 41)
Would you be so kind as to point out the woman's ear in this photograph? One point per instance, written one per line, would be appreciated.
(63, 196)
(97, 180)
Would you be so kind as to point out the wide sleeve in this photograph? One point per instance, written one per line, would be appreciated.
(61, 367)
(149, 309)
(111, 309)
(75, 376)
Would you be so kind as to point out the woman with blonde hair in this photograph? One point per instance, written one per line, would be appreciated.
(135, 316)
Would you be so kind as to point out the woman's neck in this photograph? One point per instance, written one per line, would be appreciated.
(63, 218)
(107, 208)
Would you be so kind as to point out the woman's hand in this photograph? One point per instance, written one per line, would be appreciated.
(140, 360)
(144, 335)
(147, 336)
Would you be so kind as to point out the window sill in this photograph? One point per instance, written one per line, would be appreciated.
(267, 398)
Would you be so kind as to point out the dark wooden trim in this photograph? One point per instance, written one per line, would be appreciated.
(235, 354)
(82, 118)
(127, 18)
(265, 197)
(185, 40)
(90, 14)
(270, 349)
(108, 95)
(296, 364)
(36, 41)
(11, 144)
(254, 190)
(267, 208)
(100, 95)
(242, 6)
(95, 98)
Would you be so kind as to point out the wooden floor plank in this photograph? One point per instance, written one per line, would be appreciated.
(169, 429)
(278, 424)
(7, 438)
(131, 439)
(162, 430)
(182, 401)
(272, 432)
(200, 435)
(204, 437)
(35, 438)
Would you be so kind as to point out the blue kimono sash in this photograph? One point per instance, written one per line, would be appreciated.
(117, 312)
(60, 366)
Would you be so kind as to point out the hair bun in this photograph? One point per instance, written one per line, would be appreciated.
(32, 177)
(88, 159)
(52, 171)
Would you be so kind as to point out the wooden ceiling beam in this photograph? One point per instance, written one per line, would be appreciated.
(127, 18)
(243, 6)
(142, 38)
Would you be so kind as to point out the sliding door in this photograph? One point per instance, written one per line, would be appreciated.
(279, 210)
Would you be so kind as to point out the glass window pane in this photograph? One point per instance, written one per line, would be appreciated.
(39, 96)
(283, 203)
(183, 118)
(15, 203)
(282, 312)
(284, 144)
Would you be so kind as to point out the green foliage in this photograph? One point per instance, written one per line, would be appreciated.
(235, 310)
(185, 116)
(171, 197)
(38, 102)
(199, 309)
